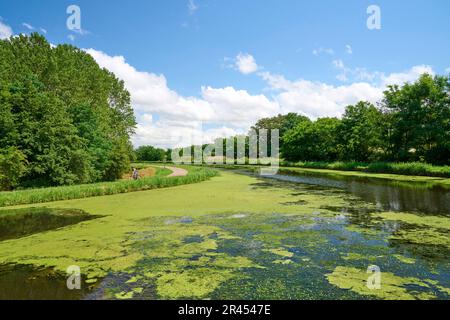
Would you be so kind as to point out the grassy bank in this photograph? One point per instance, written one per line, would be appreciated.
(406, 180)
(31, 196)
(403, 168)
(400, 168)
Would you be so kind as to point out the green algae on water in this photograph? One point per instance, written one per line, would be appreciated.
(392, 287)
(234, 237)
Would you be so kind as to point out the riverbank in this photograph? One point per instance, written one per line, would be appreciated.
(426, 181)
(420, 181)
(31, 196)
(402, 168)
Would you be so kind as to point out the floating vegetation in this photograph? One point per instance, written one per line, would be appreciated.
(392, 287)
(241, 241)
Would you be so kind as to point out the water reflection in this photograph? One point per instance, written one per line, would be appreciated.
(30, 283)
(385, 196)
(16, 223)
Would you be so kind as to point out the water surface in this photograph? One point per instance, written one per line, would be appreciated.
(337, 229)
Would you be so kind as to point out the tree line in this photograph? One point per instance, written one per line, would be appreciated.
(410, 124)
(63, 119)
(150, 153)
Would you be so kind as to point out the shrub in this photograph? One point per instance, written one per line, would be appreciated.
(12, 167)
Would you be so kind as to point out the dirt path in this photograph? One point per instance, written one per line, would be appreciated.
(177, 172)
(143, 173)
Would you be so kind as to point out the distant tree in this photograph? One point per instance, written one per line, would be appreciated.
(312, 141)
(283, 123)
(149, 153)
(360, 132)
(168, 156)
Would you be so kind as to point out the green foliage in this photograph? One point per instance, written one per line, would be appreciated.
(410, 168)
(150, 153)
(169, 155)
(312, 141)
(413, 124)
(338, 165)
(419, 114)
(12, 167)
(360, 132)
(281, 122)
(70, 119)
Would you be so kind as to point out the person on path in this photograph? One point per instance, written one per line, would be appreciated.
(135, 174)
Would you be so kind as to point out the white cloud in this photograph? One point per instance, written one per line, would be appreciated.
(407, 76)
(316, 99)
(321, 50)
(379, 78)
(447, 70)
(167, 119)
(28, 26)
(44, 31)
(230, 110)
(349, 49)
(71, 37)
(147, 118)
(238, 108)
(5, 31)
(245, 63)
(192, 7)
(170, 134)
(150, 93)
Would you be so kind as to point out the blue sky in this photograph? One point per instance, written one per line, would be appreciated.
(221, 64)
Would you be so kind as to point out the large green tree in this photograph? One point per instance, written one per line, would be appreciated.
(312, 141)
(282, 123)
(419, 116)
(71, 119)
(360, 132)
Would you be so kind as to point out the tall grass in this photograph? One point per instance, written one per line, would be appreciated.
(339, 165)
(30, 196)
(410, 168)
(404, 168)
